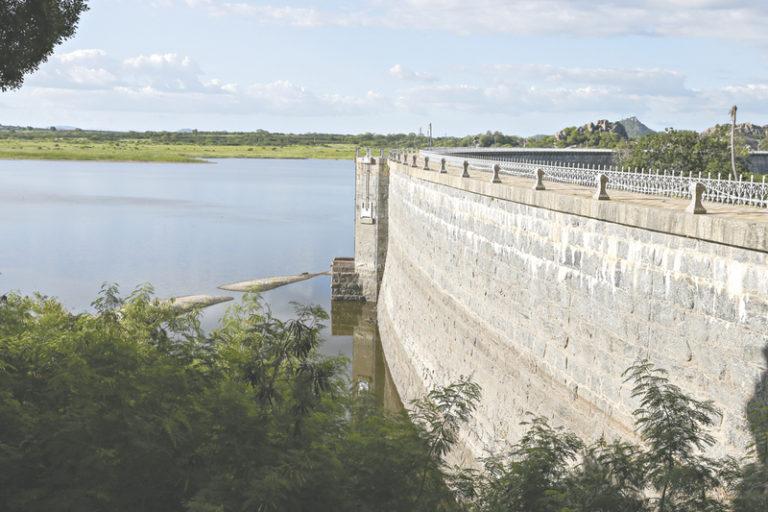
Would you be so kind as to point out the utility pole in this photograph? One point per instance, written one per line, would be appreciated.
(430, 135)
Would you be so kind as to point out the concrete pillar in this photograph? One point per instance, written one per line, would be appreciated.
(539, 180)
(371, 223)
(465, 174)
(695, 207)
(414, 161)
(442, 166)
(601, 194)
(426, 163)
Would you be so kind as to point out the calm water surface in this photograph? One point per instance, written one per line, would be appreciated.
(67, 227)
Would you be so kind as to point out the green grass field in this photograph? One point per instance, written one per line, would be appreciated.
(128, 150)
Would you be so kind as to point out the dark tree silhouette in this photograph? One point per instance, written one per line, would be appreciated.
(29, 31)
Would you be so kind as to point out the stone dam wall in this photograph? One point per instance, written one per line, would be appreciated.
(545, 298)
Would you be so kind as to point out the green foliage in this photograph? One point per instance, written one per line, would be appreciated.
(258, 138)
(578, 137)
(752, 489)
(531, 475)
(134, 408)
(683, 151)
(29, 31)
(553, 470)
(674, 427)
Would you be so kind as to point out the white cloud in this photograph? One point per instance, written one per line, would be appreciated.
(164, 71)
(737, 19)
(174, 84)
(629, 80)
(279, 15)
(402, 73)
(80, 55)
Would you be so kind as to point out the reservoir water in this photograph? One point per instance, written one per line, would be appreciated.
(67, 227)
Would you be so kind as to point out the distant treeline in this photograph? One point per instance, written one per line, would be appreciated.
(265, 138)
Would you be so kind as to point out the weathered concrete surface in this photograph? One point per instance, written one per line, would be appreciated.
(269, 283)
(546, 297)
(190, 302)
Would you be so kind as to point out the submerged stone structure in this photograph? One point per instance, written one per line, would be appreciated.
(544, 295)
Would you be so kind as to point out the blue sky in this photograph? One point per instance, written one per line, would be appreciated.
(519, 66)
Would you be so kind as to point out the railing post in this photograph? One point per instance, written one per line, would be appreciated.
(426, 163)
(539, 180)
(601, 194)
(442, 166)
(414, 161)
(496, 178)
(695, 207)
(465, 174)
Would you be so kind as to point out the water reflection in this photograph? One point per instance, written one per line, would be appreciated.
(369, 367)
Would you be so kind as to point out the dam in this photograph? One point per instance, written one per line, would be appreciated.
(543, 282)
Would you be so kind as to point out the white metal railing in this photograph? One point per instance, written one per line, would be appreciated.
(664, 183)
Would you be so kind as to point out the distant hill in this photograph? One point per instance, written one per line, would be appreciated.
(597, 127)
(634, 127)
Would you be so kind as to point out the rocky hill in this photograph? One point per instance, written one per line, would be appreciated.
(634, 127)
(752, 133)
(601, 126)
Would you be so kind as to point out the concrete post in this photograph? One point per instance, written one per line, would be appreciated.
(442, 166)
(465, 174)
(539, 180)
(601, 194)
(414, 161)
(426, 163)
(695, 207)
(496, 178)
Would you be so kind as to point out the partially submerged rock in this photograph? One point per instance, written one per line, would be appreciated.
(269, 283)
(190, 302)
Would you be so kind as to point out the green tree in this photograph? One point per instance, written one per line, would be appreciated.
(532, 473)
(681, 151)
(751, 492)
(551, 469)
(674, 427)
(133, 408)
(29, 31)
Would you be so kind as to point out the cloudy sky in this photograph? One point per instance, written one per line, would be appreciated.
(519, 66)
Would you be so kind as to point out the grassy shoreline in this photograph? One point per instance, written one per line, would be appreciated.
(128, 150)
